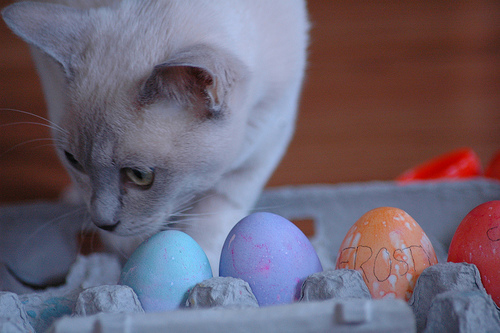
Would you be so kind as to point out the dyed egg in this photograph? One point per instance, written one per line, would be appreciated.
(389, 249)
(164, 268)
(477, 241)
(272, 255)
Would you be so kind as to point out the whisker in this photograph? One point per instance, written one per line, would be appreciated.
(119, 251)
(181, 224)
(202, 198)
(266, 208)
(33, 123)
(181, 217)
(185, 201)
(188, 203)
(55, 126)
(182, 214)
(46, 145)
(178, 228)
(48, 223)
(184, 221)
(25, 143)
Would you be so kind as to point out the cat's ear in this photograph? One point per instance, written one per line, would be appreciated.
(55, 29)
(200, 76)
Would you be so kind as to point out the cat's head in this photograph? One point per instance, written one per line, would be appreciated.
(145, 125)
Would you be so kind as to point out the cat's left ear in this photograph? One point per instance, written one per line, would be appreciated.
(55, 29)
(200, 76)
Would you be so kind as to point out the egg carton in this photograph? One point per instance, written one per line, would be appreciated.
(449, 295)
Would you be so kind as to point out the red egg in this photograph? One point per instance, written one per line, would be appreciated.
(477, 241)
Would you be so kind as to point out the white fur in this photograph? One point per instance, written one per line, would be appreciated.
(220, 165)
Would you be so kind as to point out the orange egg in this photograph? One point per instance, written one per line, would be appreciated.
(389, 249)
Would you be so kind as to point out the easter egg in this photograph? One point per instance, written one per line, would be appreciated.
(477, 241)
(164, 268)
(272, 255)
(389, 249)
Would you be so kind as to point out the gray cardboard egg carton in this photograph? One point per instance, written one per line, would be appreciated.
(451, 298)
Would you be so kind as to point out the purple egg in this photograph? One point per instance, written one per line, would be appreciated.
(272, 255)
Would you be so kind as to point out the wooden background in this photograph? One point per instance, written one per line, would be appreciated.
(390, 84)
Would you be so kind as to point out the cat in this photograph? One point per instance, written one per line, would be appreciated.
(168, 114)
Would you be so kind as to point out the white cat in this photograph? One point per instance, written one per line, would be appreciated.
(168, 113)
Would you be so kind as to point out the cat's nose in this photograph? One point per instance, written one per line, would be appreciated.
(108, 227)
(108, 224)
(103, 211)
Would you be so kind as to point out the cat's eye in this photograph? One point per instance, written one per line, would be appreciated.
(73, 161)
(141, 177)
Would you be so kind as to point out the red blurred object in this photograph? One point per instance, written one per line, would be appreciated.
(493, 168)
(460, 163)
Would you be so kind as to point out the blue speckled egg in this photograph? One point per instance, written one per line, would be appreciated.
(164, 268)
(272, 255)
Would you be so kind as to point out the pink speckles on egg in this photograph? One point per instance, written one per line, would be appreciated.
(390, 250)
(164, 268)
(272, 255)
(264, 267)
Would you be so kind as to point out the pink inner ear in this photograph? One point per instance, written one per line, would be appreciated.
(203, 78)
(198, 77)
(188, 85)
(185, 84)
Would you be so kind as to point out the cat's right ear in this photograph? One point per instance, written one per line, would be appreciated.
(199, 76)
(55, 29)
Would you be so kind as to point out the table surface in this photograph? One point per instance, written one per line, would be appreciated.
(390, 84)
